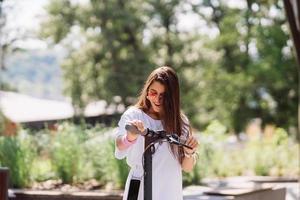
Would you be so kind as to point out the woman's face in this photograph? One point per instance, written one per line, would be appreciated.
(155, 95)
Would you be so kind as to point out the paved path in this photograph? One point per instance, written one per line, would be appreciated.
(196, 192)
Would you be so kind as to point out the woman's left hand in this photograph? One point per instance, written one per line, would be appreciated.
(192, 142)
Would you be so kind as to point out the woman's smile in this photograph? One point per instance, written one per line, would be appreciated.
(156, 94)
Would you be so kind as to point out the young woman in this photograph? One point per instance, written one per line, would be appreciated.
(157, 108)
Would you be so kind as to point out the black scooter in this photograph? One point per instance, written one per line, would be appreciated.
(152, 137)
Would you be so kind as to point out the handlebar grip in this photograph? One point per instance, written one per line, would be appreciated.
(133, 129)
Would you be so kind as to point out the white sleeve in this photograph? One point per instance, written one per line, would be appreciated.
(129, 115)
(185, 128)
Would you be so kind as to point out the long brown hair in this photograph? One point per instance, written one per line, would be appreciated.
(173, 121)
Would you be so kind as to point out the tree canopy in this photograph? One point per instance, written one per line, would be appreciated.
(241, 68)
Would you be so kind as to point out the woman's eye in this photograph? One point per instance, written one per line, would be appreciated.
(152, 93)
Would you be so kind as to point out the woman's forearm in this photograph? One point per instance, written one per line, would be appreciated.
(123, 143)
(188, 163)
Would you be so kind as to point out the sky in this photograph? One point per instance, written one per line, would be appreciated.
(24, 17)
(25, 13)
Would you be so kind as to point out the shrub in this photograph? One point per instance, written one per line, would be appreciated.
(106, 168)
(17, 154)
(66, 152)
(78, 153)
(220, 158)
(2, 122)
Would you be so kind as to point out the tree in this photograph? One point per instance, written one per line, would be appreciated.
(111, 58)
(257, 47)
(234, 77)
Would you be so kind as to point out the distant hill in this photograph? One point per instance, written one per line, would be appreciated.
(36, 73)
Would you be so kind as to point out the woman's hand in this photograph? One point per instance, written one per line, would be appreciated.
(131, 136)
(189, 160)
(192, 142)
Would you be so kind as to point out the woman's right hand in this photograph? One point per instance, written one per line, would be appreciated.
(131, 136)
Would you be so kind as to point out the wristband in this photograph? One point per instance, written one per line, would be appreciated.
(189, 155)
(126, 142)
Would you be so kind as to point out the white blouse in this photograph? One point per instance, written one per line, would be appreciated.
(166, 169)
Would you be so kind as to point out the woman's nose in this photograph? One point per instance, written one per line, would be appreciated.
(159, 98)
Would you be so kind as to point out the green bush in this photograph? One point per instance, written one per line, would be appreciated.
(106, 168)
(42, 170)
(17, 154)
(278, 156)
(78, 153)
(275, 156)
(2, 122)
(66, 152)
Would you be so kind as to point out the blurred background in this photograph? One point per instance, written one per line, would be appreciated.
(69, 69)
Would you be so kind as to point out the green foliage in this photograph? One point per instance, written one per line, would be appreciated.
(263, 157)
(247, 70)
(79, 153)
(2, 122)
(256, 45)
(17, 153)
(42, 169)
(63, 19)
(216, 131)
(275, 156)
(66, 152)
(280, 137)
(112, 59)
(106, 168)
(123, 171)
(75, 154)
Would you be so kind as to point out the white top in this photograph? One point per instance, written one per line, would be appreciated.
(166, 169)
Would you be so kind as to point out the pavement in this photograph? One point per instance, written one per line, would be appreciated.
(235, 186)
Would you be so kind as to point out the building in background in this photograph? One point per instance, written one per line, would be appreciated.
(37, 113)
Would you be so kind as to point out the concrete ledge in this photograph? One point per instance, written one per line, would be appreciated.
(274, 194)
(58, 195)
(206, 193)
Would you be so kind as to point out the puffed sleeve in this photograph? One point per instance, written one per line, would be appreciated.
(185, 128)
(127, 116)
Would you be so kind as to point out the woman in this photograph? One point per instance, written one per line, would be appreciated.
(157, 108)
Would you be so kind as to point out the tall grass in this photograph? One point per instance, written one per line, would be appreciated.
(2, 122)
(66, 152)
(106, 168)
(275, 156)
(17, 153)
(74, 154)
(79, 153)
